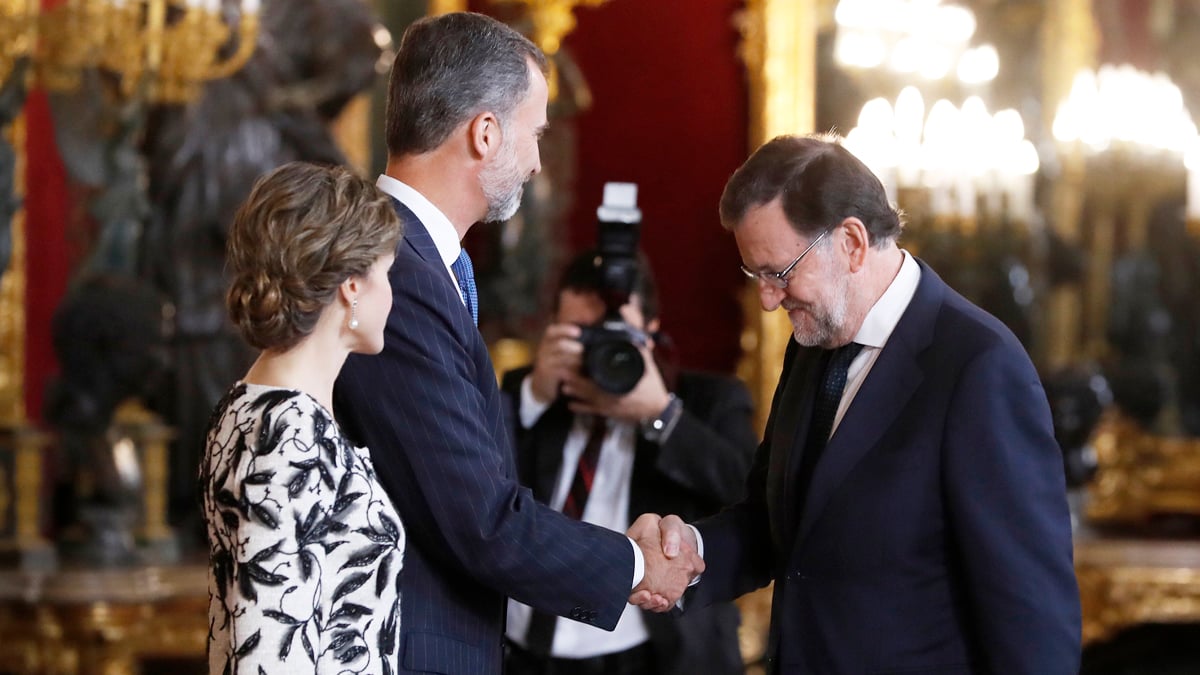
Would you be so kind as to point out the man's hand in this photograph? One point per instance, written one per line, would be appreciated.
(676, 536)
(558, 357)
(648, 398)
(665, 578)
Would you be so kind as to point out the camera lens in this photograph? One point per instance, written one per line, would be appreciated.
(615, 366)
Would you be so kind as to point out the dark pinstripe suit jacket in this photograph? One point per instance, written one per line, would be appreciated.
(699, 469)
(429, 409)
(935, 536)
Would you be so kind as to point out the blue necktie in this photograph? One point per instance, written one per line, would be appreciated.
(828, 398)
(465, 271)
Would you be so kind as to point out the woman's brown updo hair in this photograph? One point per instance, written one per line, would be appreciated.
(303, 230)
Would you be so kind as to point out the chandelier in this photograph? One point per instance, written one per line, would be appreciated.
(913, 37)
(159, 50)
(965, 160)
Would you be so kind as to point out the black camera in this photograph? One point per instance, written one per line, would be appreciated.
(612, 356)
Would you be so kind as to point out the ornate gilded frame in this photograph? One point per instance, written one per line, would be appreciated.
(779, 48)
(12, 297)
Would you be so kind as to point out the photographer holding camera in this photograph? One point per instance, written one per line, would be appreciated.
(606, 431)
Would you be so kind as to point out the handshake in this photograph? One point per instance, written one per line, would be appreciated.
(669, 549)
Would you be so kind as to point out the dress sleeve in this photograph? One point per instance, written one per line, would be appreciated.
(277, 504)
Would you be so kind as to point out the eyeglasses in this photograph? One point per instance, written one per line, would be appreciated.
(780, 279)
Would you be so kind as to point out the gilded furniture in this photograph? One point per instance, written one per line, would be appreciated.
(21, 513)
(12, 292)
(1124, 582)
(101, 621)
(1140, 475)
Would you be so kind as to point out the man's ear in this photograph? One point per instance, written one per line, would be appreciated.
(856, 243)
(485, 134)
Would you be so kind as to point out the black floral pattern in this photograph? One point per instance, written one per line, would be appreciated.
(305, 547)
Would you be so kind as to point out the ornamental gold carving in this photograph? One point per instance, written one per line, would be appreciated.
(437, 7)
(1140, 475)
(779, 39)
(778, 48)
(101, 621)
(552, 20)
(12, 296)
(1115, 598)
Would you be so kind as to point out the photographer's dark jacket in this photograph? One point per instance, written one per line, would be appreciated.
(700, 468)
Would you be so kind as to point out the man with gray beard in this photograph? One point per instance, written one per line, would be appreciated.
(908, 498)
(466, 107)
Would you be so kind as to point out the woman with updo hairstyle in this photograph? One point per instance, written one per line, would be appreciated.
(305, 546)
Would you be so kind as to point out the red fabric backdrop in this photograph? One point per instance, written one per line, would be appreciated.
(47, 254)
(670, 114)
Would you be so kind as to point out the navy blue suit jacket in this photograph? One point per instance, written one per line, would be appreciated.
(935, 537)
(429, 410)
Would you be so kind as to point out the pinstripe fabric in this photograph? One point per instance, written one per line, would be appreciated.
(429, 408)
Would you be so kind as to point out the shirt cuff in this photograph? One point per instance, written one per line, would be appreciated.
(699, 552)
(659, 429)
(531, 408)
(639, 565)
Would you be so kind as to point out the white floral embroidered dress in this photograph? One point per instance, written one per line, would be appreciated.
(305, 546)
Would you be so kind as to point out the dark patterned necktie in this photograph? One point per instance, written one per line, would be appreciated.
(585, 472)
(825, 406)
(465, 272)
(540, 637)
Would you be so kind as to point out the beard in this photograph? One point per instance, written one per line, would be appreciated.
(502, 183)
(821, 325)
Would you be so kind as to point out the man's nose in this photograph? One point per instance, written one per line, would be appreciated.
(769, 296)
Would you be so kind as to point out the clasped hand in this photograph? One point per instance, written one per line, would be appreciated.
(671, 561)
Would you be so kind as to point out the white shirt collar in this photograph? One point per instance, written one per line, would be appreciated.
(440, 229)
(877, 327)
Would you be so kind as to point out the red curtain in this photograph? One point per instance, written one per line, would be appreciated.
(47, 203)
(670, 114)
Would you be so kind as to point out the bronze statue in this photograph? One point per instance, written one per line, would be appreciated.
(312, 57)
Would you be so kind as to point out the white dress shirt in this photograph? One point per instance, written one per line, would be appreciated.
(873, 334)
(876, 328)
(607, 506)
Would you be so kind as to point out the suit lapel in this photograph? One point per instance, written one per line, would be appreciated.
(893, 380)
(417, 238)
(791, 417)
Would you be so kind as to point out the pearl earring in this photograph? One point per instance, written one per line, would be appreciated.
(354, 314)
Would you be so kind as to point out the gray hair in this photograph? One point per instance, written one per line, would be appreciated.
(818, 182)
(449, 69)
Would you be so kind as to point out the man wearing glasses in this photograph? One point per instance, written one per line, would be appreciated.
(908, 498)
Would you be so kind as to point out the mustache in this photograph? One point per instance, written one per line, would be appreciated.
(791, 304)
